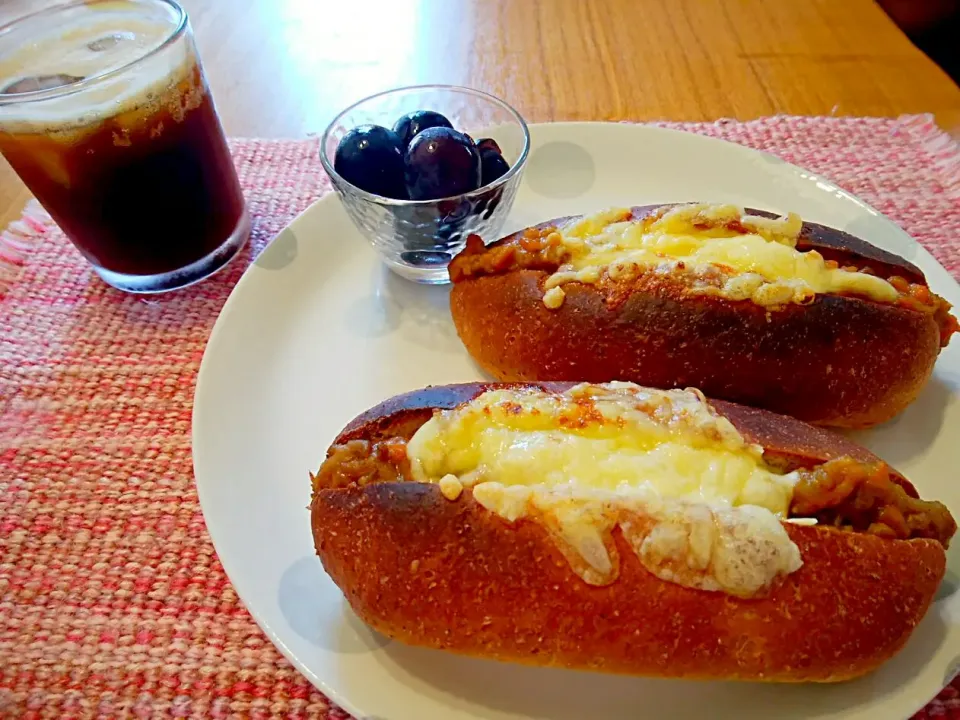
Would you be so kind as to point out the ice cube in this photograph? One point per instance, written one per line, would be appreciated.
(109, 41)
(35, 83)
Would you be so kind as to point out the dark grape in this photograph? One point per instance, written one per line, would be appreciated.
(412, 124)
(488, 144)
(492, 166)
(439, 163)
(369, 157)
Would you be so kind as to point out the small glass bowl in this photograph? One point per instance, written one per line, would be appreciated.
(417, 239)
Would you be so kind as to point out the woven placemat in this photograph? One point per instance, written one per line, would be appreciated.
(112, 601)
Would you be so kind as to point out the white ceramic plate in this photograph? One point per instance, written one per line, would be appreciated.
(317, 331)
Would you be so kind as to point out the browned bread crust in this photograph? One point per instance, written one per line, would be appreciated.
(448, 574)
(839, 361)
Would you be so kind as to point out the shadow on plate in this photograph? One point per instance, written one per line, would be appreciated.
(560, 170)
(468, 684)
(951, 579)
(482, 375)
(316, 611)
(373, 316)
(913, 432)
(422, 310)
(280, 253)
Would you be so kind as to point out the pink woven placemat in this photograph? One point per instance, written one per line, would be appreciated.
(112, 601)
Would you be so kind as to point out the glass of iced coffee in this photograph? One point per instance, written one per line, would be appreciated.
(106, 116)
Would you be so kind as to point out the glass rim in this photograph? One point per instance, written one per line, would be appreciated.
(92, 81)
(515, 168)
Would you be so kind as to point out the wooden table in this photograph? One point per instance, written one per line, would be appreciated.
(282, 68)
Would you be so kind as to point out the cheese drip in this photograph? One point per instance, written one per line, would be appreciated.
(723, 250)
(695, 501)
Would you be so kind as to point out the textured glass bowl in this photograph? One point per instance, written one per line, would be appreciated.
(418, 238)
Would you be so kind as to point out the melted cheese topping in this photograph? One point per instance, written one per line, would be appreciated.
(728, 253)
(696, 502)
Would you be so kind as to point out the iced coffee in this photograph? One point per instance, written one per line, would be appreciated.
(107, 118)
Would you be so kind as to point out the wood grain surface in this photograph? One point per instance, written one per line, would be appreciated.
(283, 68)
